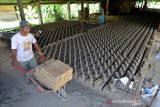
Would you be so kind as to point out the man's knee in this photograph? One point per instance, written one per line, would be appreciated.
(32, 63)
(23, 65)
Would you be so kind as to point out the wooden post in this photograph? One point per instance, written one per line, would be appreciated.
(129, 5)
(107, 11)
(15, 8)
(20, 6)
(82, 10)
(120, 7)
(88, 10)
(145, 4)
(100, 6)
(87, 4)
(69, 10)
(39, 12)
(107, 6)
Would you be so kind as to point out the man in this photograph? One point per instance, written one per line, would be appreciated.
(102, 17)
(21, 45)
(102, 20)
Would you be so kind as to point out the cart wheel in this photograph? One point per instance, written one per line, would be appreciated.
(62, 94)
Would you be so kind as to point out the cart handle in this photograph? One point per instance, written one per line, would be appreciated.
(22, 70)
(27, 73)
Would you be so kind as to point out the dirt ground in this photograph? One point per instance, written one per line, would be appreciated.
(14, 92)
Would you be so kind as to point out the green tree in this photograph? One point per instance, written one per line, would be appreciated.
(58, 12)
(51, 13)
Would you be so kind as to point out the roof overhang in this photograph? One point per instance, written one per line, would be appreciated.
(14, 2)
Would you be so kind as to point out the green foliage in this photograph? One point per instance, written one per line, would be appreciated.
(149, 3)
(51, 13)
(30, 12)
(58, 12)
(149, 0)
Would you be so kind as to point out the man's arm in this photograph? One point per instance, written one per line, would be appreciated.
(14, 54)
(38, 49)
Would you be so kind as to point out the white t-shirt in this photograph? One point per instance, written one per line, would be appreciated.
(23, 44)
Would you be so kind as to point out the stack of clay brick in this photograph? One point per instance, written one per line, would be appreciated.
(53, 74)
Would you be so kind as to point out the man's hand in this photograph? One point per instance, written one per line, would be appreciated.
(42, 56)
(43, 59)
(40, 52)
(38, 49)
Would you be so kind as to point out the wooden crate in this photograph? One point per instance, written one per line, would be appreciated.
(53, 74)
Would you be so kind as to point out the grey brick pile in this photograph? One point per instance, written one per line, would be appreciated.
(99, 56)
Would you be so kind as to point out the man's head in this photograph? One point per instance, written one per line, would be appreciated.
(24, 27)
(102, 11)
